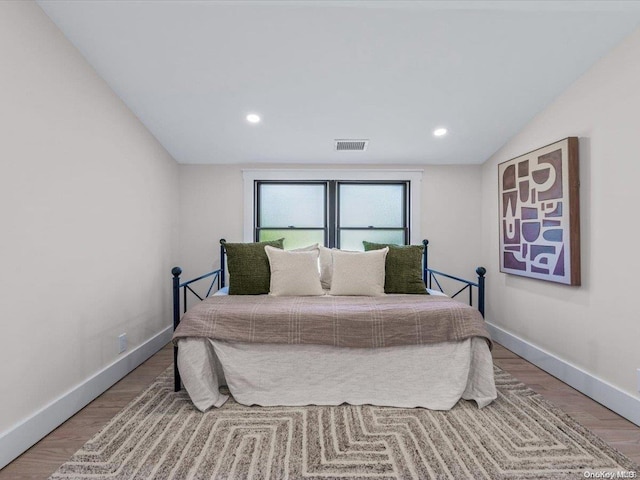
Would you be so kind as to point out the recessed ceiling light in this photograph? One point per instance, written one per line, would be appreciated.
(439, 132)
(253, 118)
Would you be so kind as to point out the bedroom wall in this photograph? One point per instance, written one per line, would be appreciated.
(88, 202)
(211, 207)
(594, 327)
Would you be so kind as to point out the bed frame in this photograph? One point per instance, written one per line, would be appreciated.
(217, 279)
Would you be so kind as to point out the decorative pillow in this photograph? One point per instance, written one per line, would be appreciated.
(403, 268)
(358, 273)
(309, 248)
(249, 272)
(294, 272)
(326, 266)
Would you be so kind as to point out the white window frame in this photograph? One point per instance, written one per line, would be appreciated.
(250, 176)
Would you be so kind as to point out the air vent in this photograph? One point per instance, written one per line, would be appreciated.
(353, 145)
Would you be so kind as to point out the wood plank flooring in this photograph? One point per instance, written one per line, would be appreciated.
(618, 432)
(46, 456)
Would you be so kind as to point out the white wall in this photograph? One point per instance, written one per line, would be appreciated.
(595, 327)
(211, 207)
(88, 209)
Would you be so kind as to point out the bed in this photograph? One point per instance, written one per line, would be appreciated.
(392, 349)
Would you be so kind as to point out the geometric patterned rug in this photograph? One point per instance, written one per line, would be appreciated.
(160, 435)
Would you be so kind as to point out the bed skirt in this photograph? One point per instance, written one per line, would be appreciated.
(432, 376)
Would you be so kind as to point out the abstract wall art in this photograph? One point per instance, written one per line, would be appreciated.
(540, 213)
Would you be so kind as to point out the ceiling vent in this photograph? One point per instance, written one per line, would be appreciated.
(353, 145)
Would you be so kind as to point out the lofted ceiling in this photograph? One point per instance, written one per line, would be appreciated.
(386, 71)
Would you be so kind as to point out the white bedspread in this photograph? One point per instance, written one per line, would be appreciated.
(430, 376)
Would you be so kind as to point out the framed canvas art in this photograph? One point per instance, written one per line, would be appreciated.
(540, 213)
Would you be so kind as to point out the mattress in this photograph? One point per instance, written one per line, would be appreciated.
(432, 376)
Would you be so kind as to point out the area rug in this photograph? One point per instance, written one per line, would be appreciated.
(160, 435)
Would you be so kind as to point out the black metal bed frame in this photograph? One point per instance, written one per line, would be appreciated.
(218, 279)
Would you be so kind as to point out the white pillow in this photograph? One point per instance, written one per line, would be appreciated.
(326, 266)
(293, 273)
(358, 273)
(309, 248)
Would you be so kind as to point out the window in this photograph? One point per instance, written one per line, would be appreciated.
(308, 177)
(376, 212)
(332, 212)
(296, 211)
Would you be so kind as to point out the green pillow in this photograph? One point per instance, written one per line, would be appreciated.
(403, 268)
(249, 272)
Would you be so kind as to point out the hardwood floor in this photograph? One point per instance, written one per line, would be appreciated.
(618, 432)
(46, 456)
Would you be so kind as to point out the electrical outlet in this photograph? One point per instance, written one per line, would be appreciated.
(122, 343)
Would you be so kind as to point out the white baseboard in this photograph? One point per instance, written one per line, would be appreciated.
(18, 439)
(599, 390)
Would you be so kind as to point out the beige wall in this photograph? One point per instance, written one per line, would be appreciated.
(595, 327)
(211, 207)
(88, 204)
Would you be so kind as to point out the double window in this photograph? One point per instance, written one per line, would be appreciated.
(334, 213)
